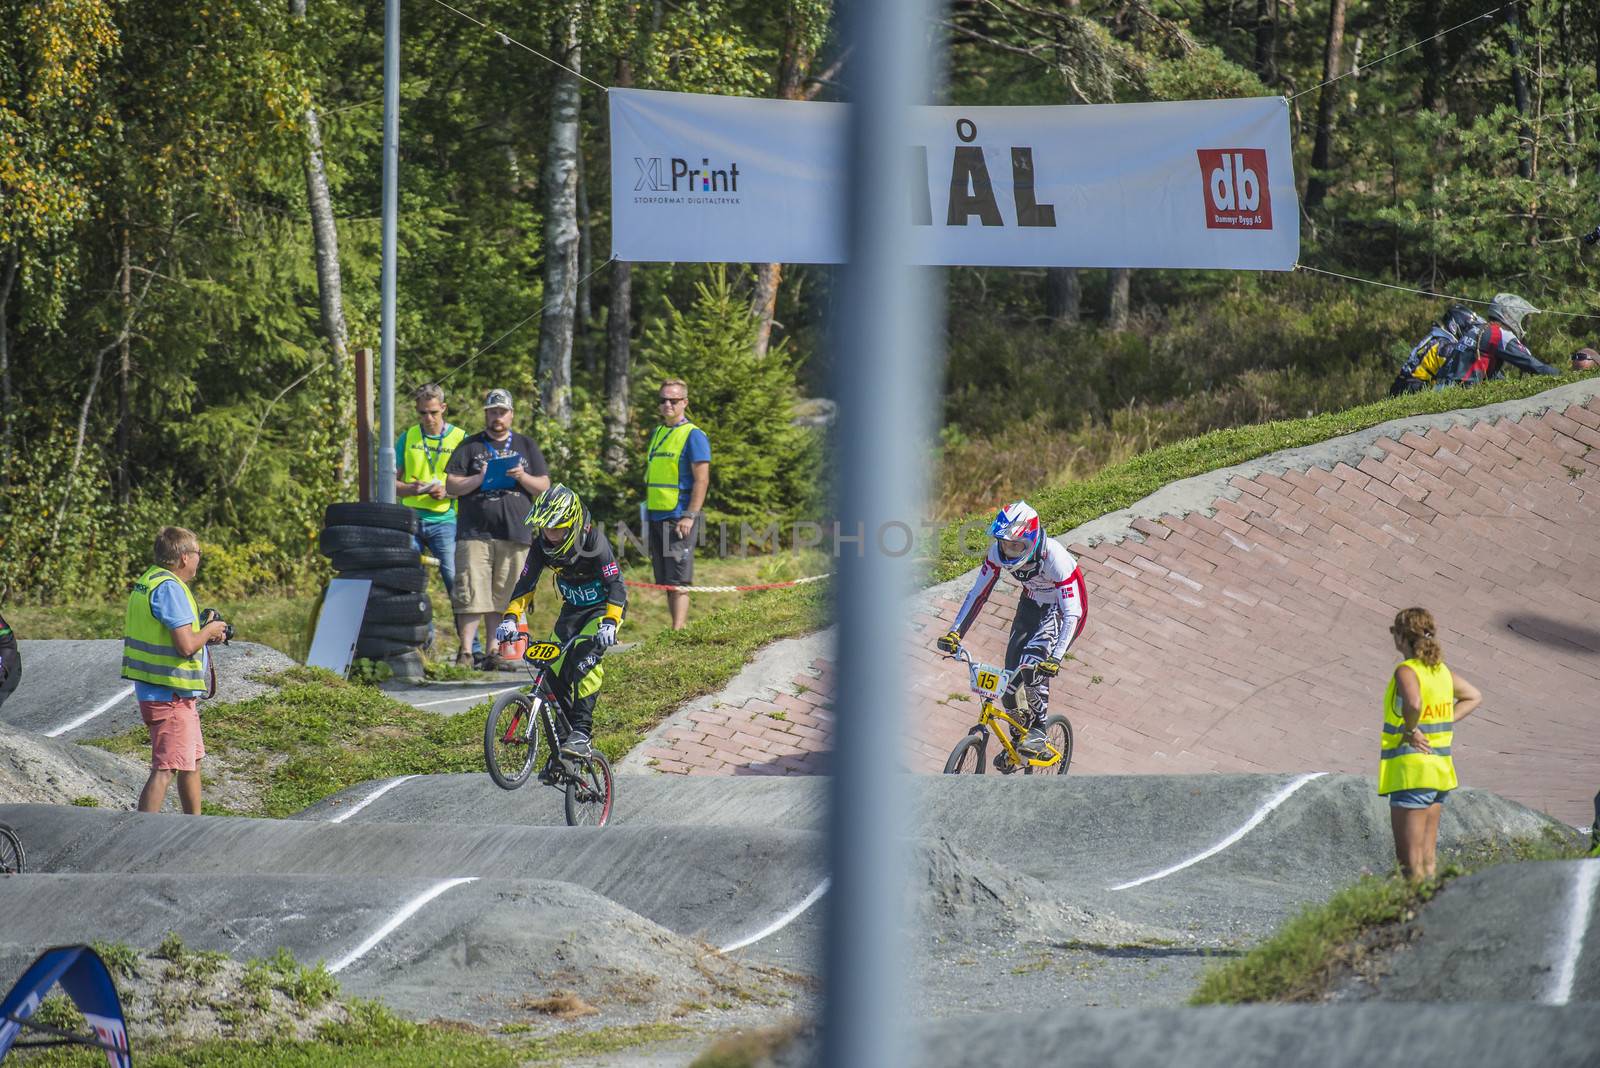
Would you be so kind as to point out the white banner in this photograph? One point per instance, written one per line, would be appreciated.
(1203, 183)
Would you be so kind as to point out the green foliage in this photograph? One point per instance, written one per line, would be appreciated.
(307, 987)
(121, 959)
(763, 466)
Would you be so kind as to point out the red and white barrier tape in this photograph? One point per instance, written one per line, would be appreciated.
(729, 589)
(705, 589)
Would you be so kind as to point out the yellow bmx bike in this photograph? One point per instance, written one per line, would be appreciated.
(992, 685)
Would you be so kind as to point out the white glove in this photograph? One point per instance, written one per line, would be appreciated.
(606, 636)
(507, 630)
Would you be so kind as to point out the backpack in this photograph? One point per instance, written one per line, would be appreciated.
(1435, 350)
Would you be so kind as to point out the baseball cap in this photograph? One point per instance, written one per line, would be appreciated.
(498, 398)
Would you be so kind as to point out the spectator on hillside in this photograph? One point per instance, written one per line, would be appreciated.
(420, 456)
(1586, 360)
(492, 538)
(677, 472)
(1430, 355)
(164, 654)
(1421, 707)
(1483, 353)
(10, 661)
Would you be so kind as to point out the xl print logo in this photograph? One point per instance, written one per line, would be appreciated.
(1235, 180)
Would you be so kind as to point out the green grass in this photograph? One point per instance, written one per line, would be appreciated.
(1297, 963)
(317, 734)
(1065, 506)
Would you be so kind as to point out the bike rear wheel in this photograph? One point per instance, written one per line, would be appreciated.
(589, 796)
(10, 851)
(967, 757)
(511, 739)
(1058, 732)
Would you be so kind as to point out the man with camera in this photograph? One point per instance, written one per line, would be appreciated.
(164, 655)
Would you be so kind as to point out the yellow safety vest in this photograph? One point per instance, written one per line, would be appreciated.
(661, 490)
(423, 465)
(148, 654)
(1402, 766)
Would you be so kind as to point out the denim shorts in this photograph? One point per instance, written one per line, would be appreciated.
(1417, 798)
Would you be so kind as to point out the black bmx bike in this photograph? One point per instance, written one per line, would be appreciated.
(542, 711)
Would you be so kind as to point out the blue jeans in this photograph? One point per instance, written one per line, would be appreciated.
(440, 540)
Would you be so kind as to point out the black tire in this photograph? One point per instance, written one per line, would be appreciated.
(408, 579)
(371, 514)
(412, 634)
(511, 739)
(407, 665)
(1058, 731)
(589, 801)
(967, 757)
(335, 539)
(383, 648)
(397, 608)
(372, 559)
(11, 856)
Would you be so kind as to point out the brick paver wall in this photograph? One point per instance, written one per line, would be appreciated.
(1255, 638)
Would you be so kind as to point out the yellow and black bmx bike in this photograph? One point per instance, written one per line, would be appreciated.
(541, 711)
(993, 685)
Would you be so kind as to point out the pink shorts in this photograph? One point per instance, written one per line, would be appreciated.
(175, 742)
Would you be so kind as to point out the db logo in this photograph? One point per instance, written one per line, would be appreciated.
(1236, 188)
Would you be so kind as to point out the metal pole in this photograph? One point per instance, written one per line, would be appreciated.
(391, 201)
(886, 362)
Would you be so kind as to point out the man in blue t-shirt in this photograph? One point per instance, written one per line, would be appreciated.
(677, 473)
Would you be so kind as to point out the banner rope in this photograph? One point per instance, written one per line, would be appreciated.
(1358, 68)
(506, 38)
(1428, 292)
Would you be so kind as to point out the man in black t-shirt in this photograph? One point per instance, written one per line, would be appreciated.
(492, 538)
(10, 661)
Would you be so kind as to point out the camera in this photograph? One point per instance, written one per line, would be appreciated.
(1592, 236)
(209, 616)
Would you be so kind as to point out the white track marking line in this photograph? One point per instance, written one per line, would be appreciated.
(411, 908)
(87, 716)
(782, 921)
(1577, 926)
(370, 798)
(465, 697)
(1261, 813)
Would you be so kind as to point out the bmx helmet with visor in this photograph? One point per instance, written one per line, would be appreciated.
(560, 520)
(1017, 534)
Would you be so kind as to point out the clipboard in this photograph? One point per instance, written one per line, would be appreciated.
(496, 475)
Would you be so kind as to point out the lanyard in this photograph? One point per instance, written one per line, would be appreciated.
(431, 456)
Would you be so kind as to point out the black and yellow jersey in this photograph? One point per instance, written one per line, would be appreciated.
(591, 580)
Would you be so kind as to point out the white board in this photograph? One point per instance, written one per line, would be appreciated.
(334, 642)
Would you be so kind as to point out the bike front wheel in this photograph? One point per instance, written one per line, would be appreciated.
(10, 851)
(1058, 732)
(511, 739)
(589, 796)
(967, 757)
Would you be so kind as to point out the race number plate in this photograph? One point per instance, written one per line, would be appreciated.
(989, 680)
(542, 652)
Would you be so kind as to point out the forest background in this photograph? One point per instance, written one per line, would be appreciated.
(189, 248)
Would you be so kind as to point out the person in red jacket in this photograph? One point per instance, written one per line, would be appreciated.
(1485, 351)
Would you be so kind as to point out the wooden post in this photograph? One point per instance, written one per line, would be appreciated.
(364, 422)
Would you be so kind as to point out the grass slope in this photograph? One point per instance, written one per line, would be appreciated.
(1310, 952)
(1063, 507)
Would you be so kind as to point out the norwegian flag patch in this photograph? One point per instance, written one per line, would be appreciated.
(610, 570)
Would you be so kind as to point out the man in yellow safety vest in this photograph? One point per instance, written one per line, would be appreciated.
(677, 472)
(419, 456)
(164, 654)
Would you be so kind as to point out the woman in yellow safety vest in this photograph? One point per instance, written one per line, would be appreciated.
(1424, 702)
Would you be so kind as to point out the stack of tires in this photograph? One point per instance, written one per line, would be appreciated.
(377, 542)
